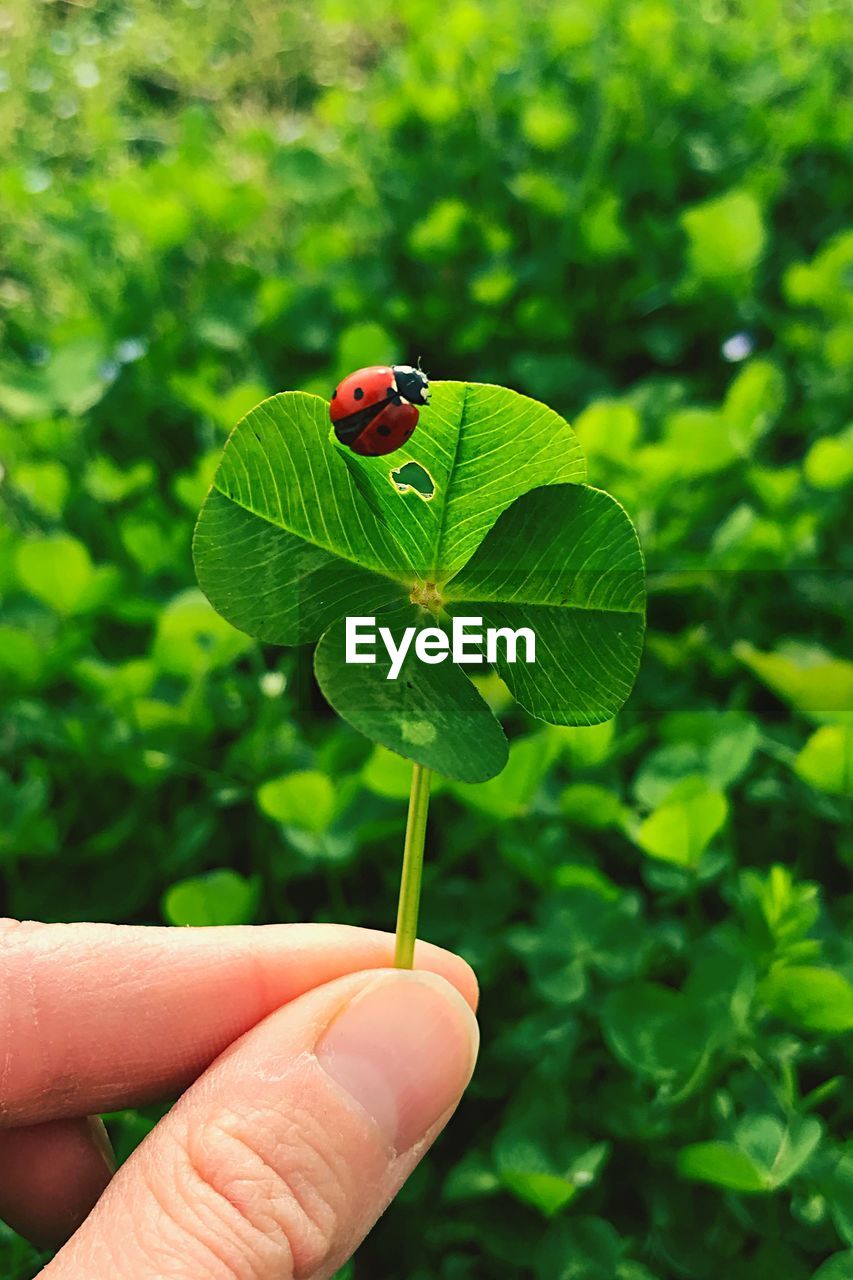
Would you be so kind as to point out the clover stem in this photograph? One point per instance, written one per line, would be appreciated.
(413, 865)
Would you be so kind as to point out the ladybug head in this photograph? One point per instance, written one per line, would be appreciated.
(412, 384)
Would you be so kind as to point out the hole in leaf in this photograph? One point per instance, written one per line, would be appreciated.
(413, 478)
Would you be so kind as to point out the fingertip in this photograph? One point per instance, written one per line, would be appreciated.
(404, 1047)
(451, 967)
(51, 1175)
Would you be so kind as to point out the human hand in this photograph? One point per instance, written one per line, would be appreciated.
(316, 1077)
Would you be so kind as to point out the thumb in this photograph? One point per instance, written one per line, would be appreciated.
(284, 1153)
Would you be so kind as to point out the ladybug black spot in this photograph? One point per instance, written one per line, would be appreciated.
(383, 430)
(358, 394)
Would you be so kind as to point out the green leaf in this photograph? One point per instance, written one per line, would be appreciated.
(547, 122)
(726, 235)
(779, 913)
(826, 761)
(837, 1185)
(217, 898)
(720, 744)
(191, 487)
(795, 1143)
(608, 429)
(810, 998)
(472, 1177)
(74, 374)
(21, 656)
(753, 402)
(586, 745)
(838, 1267)
(192, 639)
(58, 571)
(24, 393)
(547, 1192)
(655, 1031)
(387, 774)
(363, 344)
(583, 930)
(683, 826)
(538, 1156)
(438, 232)
(277, 585)
(511, 792)
(107, 483)
(828, 465)
(696, 443)
(723, 1165)
(44, 484)
(153, 545)
(577, 875)
(587, 805)
(765, 1154)
(283, 544)
(482, 447)
(601, 227)
(812, 680)
(566, 563)
(305, 799)
(582, 1248)
(715, 745)
(430, 713)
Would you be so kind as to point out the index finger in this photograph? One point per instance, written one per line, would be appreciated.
(96, 1017)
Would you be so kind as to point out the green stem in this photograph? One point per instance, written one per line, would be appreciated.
(413, 865)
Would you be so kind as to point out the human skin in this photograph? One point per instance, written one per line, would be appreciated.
(313, 1077)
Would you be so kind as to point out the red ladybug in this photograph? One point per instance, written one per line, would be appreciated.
(375, 410)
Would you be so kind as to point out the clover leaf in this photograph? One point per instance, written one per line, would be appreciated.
(484, 514)
(297, 533)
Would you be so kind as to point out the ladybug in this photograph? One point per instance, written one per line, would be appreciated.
(375, 410)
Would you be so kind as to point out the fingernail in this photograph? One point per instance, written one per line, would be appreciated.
(98, 1130)
(404, 1049)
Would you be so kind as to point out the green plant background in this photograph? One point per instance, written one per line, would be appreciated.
(590, 202)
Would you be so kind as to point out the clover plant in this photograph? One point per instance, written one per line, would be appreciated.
(484, 513)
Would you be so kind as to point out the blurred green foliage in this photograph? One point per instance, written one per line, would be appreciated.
(634, 211)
